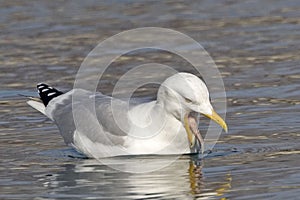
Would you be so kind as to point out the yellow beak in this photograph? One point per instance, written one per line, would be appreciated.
(214, 116)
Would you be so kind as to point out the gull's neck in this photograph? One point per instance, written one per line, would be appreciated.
(154, 130)
(142, 113)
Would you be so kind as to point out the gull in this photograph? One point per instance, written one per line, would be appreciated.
(101, 126)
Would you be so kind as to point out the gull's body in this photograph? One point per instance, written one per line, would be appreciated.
(163, 126)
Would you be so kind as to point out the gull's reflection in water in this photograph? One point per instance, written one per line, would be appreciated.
(196, 177)
(89, 179)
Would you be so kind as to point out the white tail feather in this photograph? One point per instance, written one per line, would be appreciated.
(37, 105)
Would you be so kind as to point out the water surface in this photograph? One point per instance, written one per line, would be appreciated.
(256, 47)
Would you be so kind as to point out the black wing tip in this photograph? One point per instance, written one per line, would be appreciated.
(47, 93)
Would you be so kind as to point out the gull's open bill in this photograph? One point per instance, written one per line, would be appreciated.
(191, 127)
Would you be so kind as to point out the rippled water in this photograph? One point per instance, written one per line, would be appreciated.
(256, 47)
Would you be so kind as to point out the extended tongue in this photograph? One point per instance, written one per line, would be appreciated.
(191, 127)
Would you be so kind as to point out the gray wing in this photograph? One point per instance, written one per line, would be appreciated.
(99, 128)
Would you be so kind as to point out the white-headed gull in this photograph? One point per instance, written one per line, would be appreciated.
(168, 125)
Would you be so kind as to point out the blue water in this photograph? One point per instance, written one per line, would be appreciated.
(255, 44)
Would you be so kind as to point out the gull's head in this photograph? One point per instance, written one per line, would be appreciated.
(183, 95)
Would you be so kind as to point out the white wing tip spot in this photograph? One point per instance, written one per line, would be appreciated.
(41, 86)
(50, 94)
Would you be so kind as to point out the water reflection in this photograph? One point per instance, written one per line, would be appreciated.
(184, 179)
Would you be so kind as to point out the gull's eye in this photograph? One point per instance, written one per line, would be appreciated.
(188, 100)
